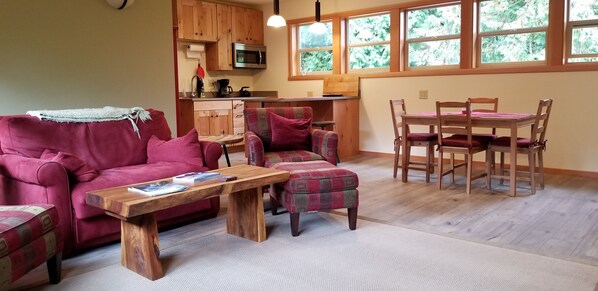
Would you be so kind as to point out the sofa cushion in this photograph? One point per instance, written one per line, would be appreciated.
(102, 145)
(22, 224)
(184, 149)
(289, 134)
(75, 166)
(123, 176)
(271, 158)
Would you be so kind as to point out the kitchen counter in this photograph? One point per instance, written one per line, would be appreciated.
(274, 99)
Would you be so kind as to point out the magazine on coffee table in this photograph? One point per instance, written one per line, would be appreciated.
(158, 188)
(193, 177)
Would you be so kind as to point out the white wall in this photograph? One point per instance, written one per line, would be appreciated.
(572, 138)
(70, 54)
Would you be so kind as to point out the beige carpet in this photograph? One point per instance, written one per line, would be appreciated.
(326, 256)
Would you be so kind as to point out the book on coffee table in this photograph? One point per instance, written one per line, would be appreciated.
(193, 177)
(158, 188)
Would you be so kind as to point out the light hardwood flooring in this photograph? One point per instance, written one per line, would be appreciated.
(559, 221)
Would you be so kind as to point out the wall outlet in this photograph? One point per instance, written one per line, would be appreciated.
(423, 94)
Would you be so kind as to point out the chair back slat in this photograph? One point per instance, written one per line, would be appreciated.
(541, 123)
(484, 104)
(453, 118)
(397, 108)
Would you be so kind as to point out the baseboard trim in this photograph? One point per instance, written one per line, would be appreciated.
(567, 172)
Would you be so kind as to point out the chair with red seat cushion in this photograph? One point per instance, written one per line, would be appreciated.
(532, 146)
(427, 140)
(28, 238)
(284, 134)
(462, 141)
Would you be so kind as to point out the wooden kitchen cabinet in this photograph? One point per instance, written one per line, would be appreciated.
(197, 20)
(248, 26)
(219, 55)
(212, 117)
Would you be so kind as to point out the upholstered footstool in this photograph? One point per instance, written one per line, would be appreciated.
(313, 186)
(28, 238)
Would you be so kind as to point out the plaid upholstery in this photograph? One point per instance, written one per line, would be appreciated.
(272, 158)
(28, 238)
(257, 120)
(258, 137)
(316, 185)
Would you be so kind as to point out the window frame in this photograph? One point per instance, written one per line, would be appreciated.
(557, 44)
(570, 26)
(513, 31)
(348, 46)
(406, 41)
(317, 49)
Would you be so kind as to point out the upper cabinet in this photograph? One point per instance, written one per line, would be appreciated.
(248, 26)
(197, 20)
(219, 54)
(219, 25)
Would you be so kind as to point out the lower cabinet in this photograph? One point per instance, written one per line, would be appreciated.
(213, 117)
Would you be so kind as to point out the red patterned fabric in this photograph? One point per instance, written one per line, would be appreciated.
(258, 137)
(317, 177)
(28, 238)
(272, 158)
(19, 225)
(316, 185)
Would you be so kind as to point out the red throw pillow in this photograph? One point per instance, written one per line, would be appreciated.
(184, 149)
(289, 134)
(74, 165)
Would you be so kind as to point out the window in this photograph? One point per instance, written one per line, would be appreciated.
(448, 37)
(512, 31)
(433, 36)
(582, 31)
(314, 50)
(368, 43)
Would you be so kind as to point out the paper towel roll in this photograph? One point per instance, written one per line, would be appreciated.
(194, 51)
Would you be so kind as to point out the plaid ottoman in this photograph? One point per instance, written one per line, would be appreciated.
(28, 238)
(313, 186)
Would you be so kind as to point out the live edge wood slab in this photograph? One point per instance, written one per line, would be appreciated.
(140, 247)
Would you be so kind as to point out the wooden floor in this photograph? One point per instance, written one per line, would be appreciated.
(559, 221)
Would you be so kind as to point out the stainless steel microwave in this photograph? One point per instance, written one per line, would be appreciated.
(249, 56)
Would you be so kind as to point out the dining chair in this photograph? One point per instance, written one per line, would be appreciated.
(483, 104)
(455, 118)
(427, 140)
(533, 146)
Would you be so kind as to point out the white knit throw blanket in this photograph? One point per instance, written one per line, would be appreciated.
(107, 113)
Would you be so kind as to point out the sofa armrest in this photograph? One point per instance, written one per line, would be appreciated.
(211, 151)
(325, 143)
(31, 170)
(255, 148)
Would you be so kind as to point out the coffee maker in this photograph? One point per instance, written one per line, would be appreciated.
(223, 88)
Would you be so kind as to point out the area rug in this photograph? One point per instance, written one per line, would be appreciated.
(325, 256)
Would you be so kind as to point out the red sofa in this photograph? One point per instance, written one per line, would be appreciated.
(117, 154)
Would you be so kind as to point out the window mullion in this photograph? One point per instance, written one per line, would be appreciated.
(556, 33)
(467, 34)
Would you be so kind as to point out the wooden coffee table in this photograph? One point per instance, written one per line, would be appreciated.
(139, 233)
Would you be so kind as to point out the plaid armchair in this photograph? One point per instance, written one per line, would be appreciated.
(320, 145)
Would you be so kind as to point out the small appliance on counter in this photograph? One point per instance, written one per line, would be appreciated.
(244, 93)
(223, 88)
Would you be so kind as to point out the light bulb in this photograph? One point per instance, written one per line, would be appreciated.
(276, 21)
(317, 28)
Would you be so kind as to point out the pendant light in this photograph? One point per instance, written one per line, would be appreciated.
(317, 27)
(276, 20)
(120, 4)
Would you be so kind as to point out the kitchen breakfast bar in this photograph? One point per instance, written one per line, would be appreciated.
(215, 116)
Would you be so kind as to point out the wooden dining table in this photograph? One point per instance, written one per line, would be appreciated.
(511, 121)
